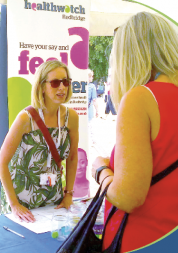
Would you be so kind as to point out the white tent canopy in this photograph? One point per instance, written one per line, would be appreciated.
(105, 15)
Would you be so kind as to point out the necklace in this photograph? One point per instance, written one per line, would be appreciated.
(59, 136)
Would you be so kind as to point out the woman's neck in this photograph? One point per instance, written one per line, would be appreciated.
(163, 78)
(51, 116)
(50, 111)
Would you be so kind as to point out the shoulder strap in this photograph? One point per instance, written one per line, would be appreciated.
(46, 134)
(164, 173)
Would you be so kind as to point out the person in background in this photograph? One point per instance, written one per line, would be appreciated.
(81, 185)
(109, 104)
(92, 102)
(25, 155)
(144, 89)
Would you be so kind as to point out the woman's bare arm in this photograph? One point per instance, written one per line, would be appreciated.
(71, 162)
(20, 126)
(133, 155)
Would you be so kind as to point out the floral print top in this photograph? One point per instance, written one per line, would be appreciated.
(29, 161)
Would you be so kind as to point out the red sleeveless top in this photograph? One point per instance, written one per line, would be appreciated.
(159, 214)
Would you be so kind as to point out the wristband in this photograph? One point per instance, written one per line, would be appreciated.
(71, 192)
(98, 171)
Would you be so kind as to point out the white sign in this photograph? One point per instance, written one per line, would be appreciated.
(39, 31)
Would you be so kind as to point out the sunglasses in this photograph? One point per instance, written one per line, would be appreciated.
(56, 82)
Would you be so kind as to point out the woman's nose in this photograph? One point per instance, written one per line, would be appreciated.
(61, 86)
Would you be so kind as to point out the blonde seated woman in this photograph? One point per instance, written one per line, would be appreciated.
(144, 89)
(25, 155)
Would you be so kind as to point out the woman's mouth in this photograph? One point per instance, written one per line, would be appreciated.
(60, 95)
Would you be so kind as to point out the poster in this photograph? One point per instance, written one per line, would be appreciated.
(38, 31)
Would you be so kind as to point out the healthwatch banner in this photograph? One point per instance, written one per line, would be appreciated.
(39, 31)
(58, 8)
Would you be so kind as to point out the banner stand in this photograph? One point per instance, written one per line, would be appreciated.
(3, 76)
(4, 126)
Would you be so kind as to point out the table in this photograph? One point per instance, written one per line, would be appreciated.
(32, 243)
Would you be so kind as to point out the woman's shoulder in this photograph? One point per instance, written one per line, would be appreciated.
(69, 111)
(138, 99)
(22, 116)
(139, 90)
(139, 94)
(23, 119)
(72, 113)
(73, 118)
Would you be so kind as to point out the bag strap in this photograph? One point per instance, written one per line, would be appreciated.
(164, 173)
(116, 243)
(76, 241)
(46, 134)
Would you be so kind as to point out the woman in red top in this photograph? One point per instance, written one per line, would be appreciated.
(144, 89)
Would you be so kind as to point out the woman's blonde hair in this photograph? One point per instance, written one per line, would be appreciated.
(37, 99)
(144, 43)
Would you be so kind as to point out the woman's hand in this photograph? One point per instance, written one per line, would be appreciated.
(22, 213)
(66, 202)
(99, 161)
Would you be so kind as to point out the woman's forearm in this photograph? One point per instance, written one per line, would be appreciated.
(71, 169)
(116, 193)
(8, 186)
(106, 177)
(17, 209)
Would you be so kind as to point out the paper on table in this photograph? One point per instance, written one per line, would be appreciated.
(43, 216)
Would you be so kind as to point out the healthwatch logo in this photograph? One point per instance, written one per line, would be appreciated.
(54, 8)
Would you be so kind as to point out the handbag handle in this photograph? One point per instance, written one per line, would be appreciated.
(46, 134)
(82, 234)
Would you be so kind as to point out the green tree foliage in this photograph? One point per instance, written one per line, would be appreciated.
(99, 51)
